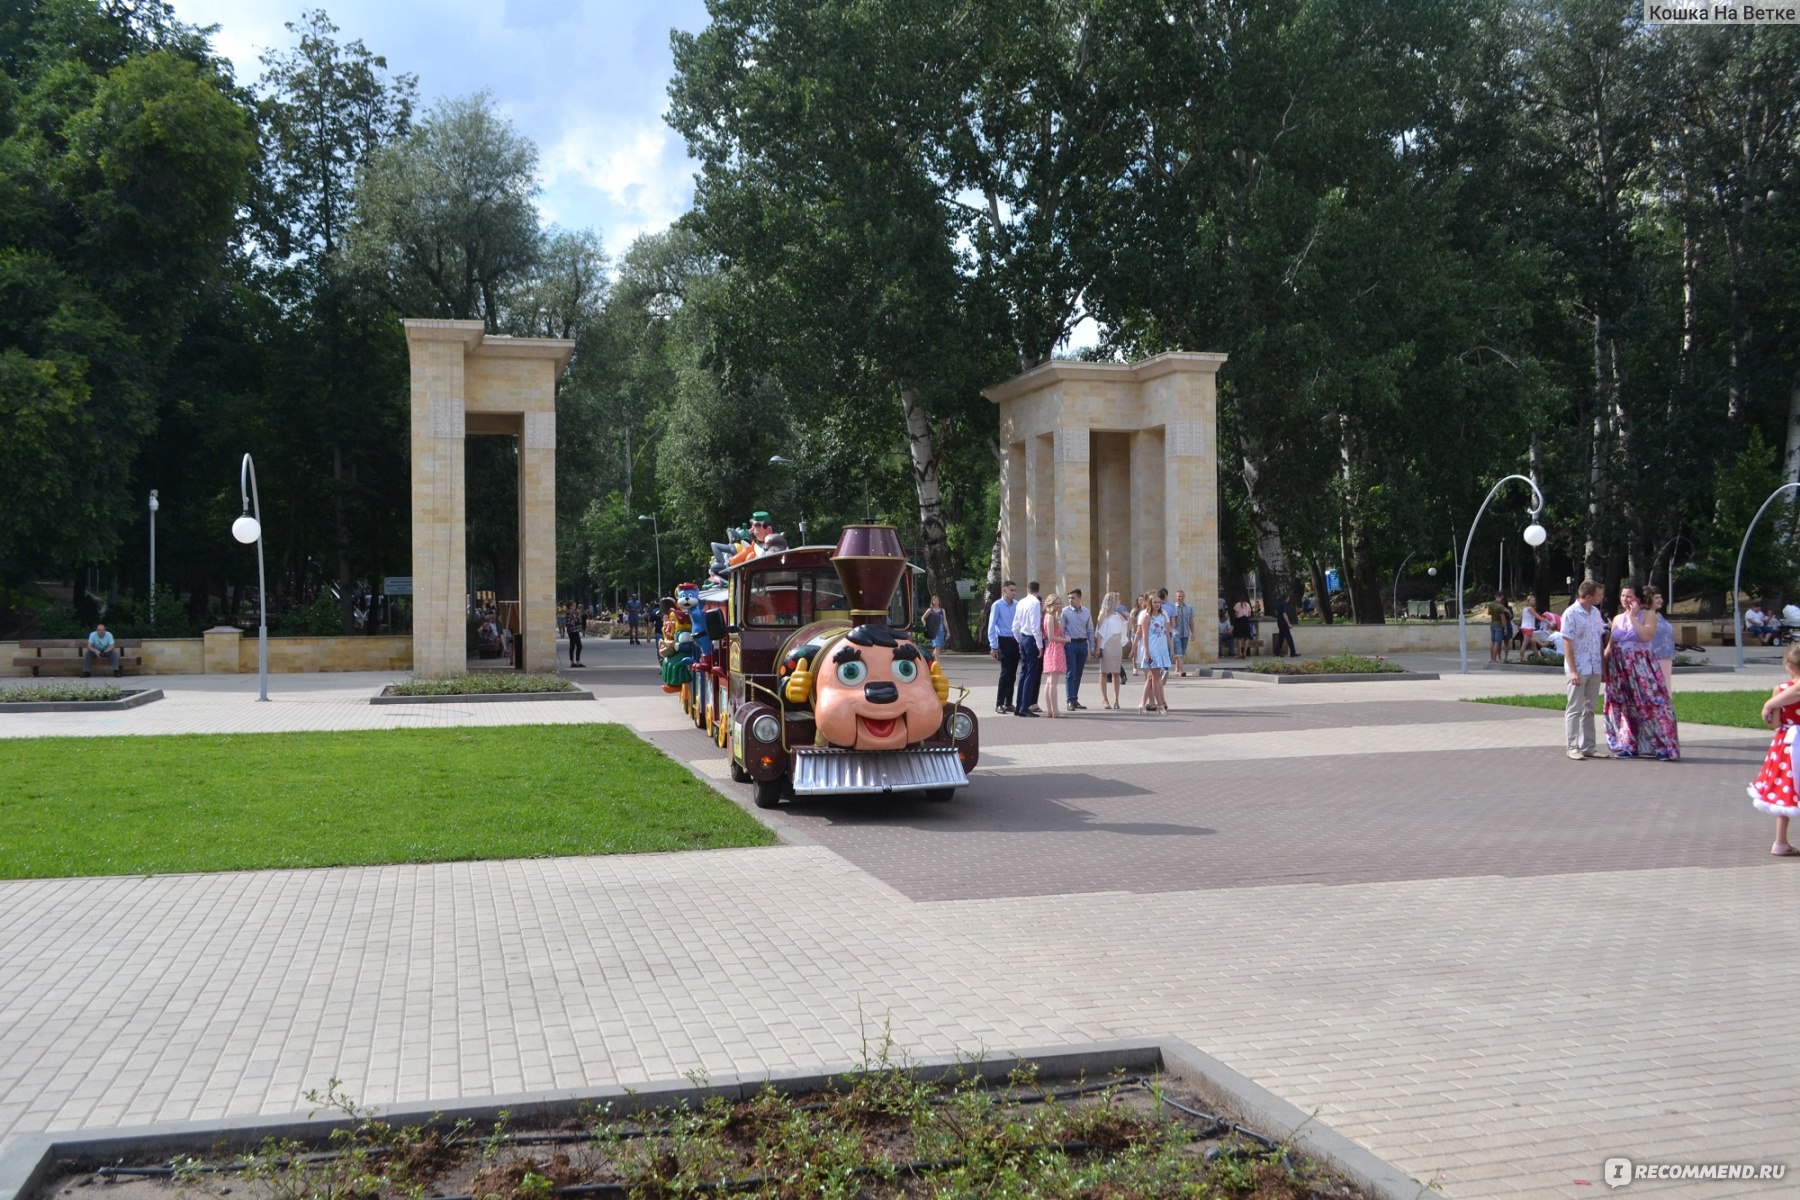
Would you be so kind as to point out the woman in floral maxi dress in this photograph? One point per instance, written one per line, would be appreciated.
(1640, 721)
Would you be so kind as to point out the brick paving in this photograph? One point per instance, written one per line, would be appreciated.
(1491, 965)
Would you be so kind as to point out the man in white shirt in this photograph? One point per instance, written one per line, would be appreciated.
(1583, 640)
(1758, 625)
(1028, 630)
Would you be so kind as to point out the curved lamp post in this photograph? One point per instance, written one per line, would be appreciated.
(1669, 599)
(1534, 536)
(248, 530)
(1737, 577)
(656, 532)
(1397, 575)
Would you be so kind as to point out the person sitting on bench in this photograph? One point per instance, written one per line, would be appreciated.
(99, 645)
(1758, 625)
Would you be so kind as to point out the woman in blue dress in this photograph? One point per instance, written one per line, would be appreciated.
(1158, 657)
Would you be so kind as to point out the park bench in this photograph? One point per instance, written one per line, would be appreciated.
(64, 654)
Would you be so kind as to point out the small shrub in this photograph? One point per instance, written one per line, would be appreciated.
(1331, 664)
(485, 683)
(324, 617)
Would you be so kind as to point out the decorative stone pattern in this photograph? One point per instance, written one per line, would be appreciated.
(457, 368)
(1119, 470)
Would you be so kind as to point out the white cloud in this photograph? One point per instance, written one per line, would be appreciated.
(640, 167)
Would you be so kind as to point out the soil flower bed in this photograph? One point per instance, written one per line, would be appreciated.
(485, 683)
(880, 1135)
(59, 693)
(1331, 664)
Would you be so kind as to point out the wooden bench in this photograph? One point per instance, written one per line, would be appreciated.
(64, 654)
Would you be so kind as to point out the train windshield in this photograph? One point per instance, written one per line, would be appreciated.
(794, 597)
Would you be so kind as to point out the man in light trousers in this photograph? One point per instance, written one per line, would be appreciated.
(1583, 639)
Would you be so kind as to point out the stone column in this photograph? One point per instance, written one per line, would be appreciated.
(219, 650)
(1074, 520)
(1014, 518)
(537, 532)
(1190, 480)
(1149, 551)
(1040, 505)
(440, 552)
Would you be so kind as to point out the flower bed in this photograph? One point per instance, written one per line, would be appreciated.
(486, 683)
(56, 693)
(1331, 664)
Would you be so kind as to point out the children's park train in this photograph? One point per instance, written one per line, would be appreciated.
(799, 664)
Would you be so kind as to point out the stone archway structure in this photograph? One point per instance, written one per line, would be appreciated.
(1110, 480)
(466, 381)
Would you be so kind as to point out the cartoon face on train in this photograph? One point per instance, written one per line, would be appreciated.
(869, 689)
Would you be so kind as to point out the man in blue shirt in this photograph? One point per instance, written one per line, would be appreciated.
(1078, 627)
(634, 612)
(1002, 645)
(99, 645)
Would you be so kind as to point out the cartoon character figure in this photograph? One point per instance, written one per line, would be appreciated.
(869, 689)
(677, 649)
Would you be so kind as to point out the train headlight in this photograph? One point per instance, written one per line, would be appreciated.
(766, 729)
(962, 725)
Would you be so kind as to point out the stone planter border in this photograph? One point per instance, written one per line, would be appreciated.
(27, 1161)
(483, 698)
(128, 700)
(1358, 677)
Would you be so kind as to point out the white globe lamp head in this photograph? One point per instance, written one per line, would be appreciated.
(246, 529)
(1431, 571)
(1535, 535)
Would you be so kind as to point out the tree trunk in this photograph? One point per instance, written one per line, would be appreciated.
(1599, 446)
(1321, 597)
(1365, 592)
(940, 564)
(1270, 555)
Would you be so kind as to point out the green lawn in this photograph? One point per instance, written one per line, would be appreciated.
(1743, 709)
(141, 805)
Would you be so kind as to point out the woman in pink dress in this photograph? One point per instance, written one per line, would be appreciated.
(1056, 656)
(1640, 719)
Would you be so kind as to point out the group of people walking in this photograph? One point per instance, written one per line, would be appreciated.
(1044, 645)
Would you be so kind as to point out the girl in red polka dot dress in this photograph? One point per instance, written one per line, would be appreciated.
(1773, 790)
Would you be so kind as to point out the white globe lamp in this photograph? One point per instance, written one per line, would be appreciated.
(1535, 535)
(246, 530)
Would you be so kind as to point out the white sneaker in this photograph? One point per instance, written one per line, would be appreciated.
(1577, 755)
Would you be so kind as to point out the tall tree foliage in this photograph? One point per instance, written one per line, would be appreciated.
(123, 159)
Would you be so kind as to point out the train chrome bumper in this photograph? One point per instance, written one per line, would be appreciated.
(848, 772)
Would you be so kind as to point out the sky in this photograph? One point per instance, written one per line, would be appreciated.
(587, 80)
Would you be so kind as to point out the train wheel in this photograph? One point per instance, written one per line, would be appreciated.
(768, 792)
(941, 794)
(738, 774)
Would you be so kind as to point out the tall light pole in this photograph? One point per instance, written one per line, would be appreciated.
(1534, 536)
(1397, 575)
(656, 532)
(1669, 599)
(781, 460)
(1737, 577)
(154, 505)
(248, 529)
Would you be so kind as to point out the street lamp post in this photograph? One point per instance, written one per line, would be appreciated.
(248, 529)
(154, 505)
(1669, 599)
(656, 532)
(1534, 536)
(781, 460)
(1737, 577)
(1397, 575)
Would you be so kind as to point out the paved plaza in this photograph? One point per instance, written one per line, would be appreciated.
(1492, 966)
